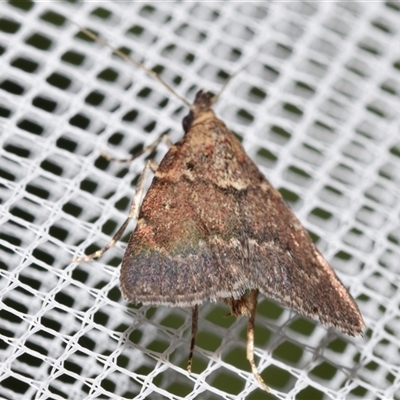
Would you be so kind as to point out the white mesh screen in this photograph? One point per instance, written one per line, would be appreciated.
(318, 111)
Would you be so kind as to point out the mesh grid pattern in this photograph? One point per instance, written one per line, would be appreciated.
(317, 110)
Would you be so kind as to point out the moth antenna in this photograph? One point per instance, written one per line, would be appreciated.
(230, 77)
(125, 57)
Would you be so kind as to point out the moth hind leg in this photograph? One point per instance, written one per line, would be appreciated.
(246, 306)
(252, 305)
(195, 322)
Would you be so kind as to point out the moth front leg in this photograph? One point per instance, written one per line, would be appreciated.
(151, 165)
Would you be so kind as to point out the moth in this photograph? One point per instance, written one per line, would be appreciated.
(211, 227)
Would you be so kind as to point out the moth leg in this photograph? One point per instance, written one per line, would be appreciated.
(195, 320)
(252, 305)
(151, 148)
(133, 213)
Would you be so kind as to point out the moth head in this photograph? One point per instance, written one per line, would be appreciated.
(202, 103)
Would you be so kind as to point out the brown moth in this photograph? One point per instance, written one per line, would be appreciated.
(211, 227)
